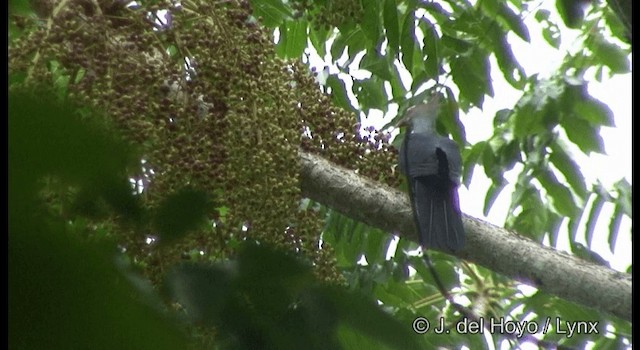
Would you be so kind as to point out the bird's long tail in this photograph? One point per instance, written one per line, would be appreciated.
(438, 215)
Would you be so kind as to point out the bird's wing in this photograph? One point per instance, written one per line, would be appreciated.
(454, 160)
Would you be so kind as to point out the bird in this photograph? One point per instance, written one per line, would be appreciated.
(432, 165)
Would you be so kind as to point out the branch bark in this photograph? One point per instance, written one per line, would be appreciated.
(493, 247)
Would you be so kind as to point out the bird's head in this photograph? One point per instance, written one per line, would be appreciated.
(425, 110)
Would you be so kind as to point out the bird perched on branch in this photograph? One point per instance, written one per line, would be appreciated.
(432, 165)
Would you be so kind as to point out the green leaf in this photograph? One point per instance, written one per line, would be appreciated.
(624, 196)
(594, 111)
(589, 255)
(430, 49)
(408, 40)
(398, 90)
(339, 92)
(371, 94)
(571, 12)
(356, 43)
(272, 12)
(596, 207)
(458, 46)
(391, 26)
(492, 194)
(584, 135)
(377, 64)
(444, 270)
(19, 7)
(181, 212)
(371, 22)
(609, 54)
(472, 76)
(561, 197)
(318, 37)
(353, 39)
(533, 218)
(501, 117)
(490, 163)
(47, 137)
(542, 15)
(293, 40)
(451, 118)
(553, 228)
(514, 22)
(551, 35)
(618, 29)
(614, 227)
(377, 244)
(569, 168)
(509, 154)
(511, 69)
(338, 46)
(470, 160)
(66, 293)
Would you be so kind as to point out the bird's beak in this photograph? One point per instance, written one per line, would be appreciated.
(404, 121)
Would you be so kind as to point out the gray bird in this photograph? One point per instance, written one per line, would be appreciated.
(432, 165)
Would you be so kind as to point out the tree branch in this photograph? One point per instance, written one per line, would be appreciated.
(493, 247)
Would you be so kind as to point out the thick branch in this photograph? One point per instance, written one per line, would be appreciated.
(502, 251)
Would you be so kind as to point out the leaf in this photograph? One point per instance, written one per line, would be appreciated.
(339, 92)
(450, 118)
(571, 12)
(444, 270)
(596, 207)
(66, 293)
(398, 90)
(318, 37)
(458, 46)
(470, 161)
(371, 94)
(553, 228)
(571, 171)
(472, 76)
(609, 54)
(560, 195)
(47, 137)
(377, 243)
(501, 117)
(371, 22)
(551, 35)
(377, 64)
(408, 40)
(391, 26)
(624, 196)
(514, 22)
(272, 12)
(490, 163)
(430, 49)
(589, 255)
(510, 68)
(181, 212)
(381, 326)
(594, 111)
(294, 39)
(492, 194)
(338, 46)
(356, 43)
(584, 135)
(614, 227)
(617, 27)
